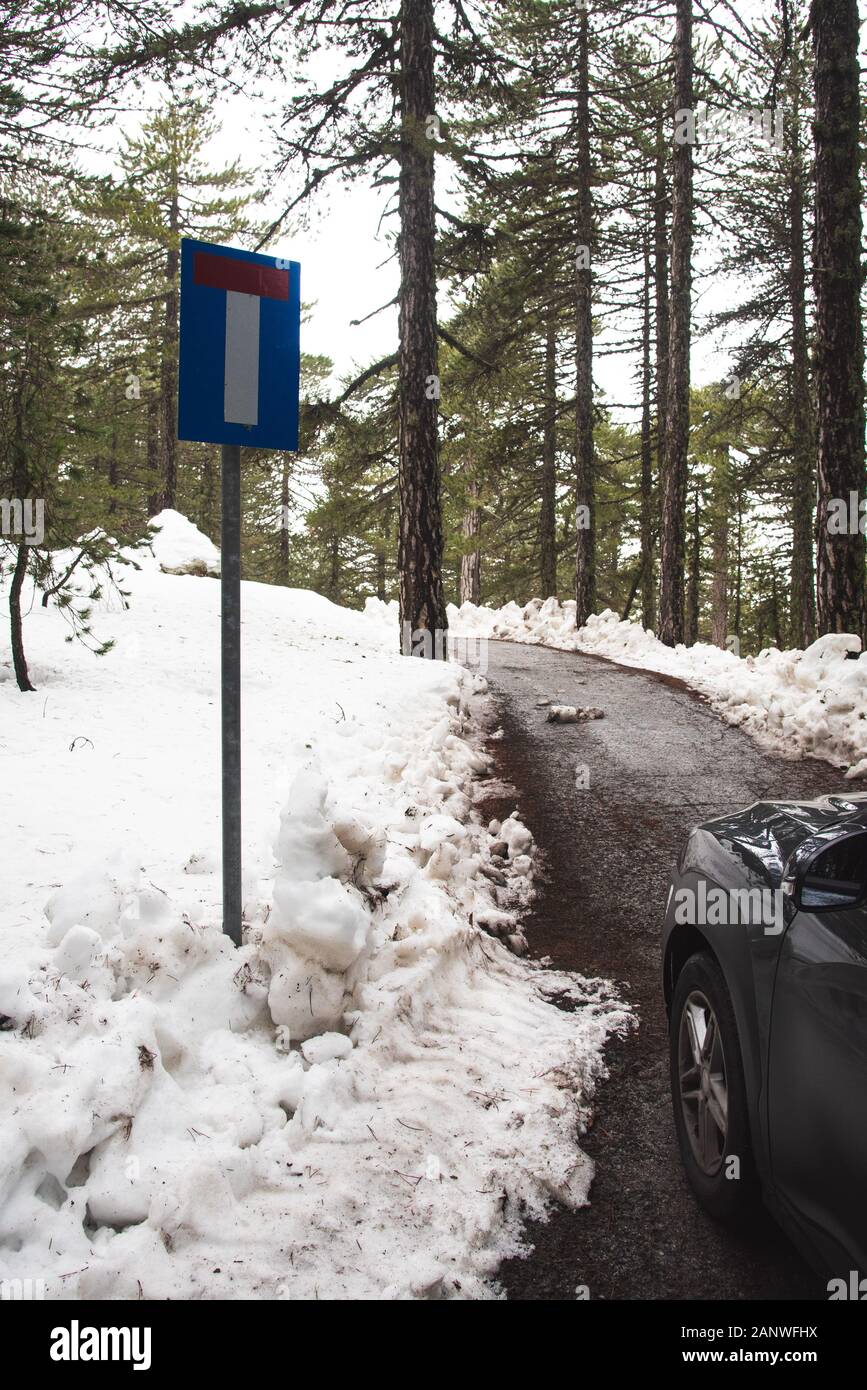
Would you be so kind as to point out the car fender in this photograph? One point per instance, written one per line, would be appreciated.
(746, 952)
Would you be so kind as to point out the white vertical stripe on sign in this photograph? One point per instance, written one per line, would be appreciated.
(241, 397)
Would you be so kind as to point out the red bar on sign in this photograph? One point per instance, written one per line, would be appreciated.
(227, 273)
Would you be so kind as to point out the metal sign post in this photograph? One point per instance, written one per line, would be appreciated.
(230, 684)
(238, 384)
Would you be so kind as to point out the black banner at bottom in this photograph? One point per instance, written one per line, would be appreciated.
(78, 1339)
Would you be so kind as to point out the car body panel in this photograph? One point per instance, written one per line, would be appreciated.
(798, 985)
(817, 1075)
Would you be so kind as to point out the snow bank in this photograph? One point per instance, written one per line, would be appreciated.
(368, 1097)
(809, 703)
(180, 547)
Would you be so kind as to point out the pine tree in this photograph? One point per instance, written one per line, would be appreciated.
(674, 482)
(347, 127)
(839, 334)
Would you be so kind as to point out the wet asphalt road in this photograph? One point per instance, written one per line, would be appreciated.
(659, 762)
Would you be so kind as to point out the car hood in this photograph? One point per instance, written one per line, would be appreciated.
(767, 833)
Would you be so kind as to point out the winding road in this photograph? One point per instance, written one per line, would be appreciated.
(659, 762)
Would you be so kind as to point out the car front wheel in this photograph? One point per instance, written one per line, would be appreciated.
(708, 1091)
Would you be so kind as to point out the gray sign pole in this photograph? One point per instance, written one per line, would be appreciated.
(230, 668)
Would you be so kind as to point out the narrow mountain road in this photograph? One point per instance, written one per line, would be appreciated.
(659, 762)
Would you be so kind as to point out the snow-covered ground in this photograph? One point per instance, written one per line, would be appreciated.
(367, 1098)
(809, 703)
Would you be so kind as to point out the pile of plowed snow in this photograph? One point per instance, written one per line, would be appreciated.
(371, 1094)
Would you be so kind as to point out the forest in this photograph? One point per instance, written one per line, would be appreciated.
(570, 191)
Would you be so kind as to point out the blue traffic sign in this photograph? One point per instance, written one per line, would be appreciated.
(239, 359)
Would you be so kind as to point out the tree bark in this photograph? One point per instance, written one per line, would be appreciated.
(113, 473)
(633, 590)
(839, 337)
(24, 391)
(720, 585)
(382, 548)
(334, 568)
(169, 368)
(660, 289)
(548, 510)
(648, 615)
(694, 586)
(19, 661)
(720, 590)
(206, 508)
(152, 448)
(420, 548)
(585, 556)
(739, 564)
(803, 598)
(471, 561)
(674, 482)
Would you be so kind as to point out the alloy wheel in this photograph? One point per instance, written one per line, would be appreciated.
(701, 1070)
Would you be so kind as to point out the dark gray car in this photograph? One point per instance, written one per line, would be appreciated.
(765, 980)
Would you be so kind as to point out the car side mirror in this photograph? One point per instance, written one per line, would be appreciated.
(828, 871)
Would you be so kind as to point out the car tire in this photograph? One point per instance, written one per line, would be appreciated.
(708, 1092)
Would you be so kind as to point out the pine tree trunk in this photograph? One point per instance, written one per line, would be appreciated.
(660, 290)
(422, 604)
(383, 549)
(694, 586)
(739, 564)
(169, 371)
(153, 454)
(839, 336)
(803, 598)
(585, 556)
(112, 474)
(206, 508)
(334, 569)
(720, 587)
(19, 661)
(548, 510)
(648, 616)
(633, 590)
(22, 487)
(674, 481)
(471, 561)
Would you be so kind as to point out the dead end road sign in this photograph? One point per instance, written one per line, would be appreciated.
(240, 360)
(239, 365)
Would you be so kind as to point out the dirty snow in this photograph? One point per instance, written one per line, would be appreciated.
(367, 1098)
